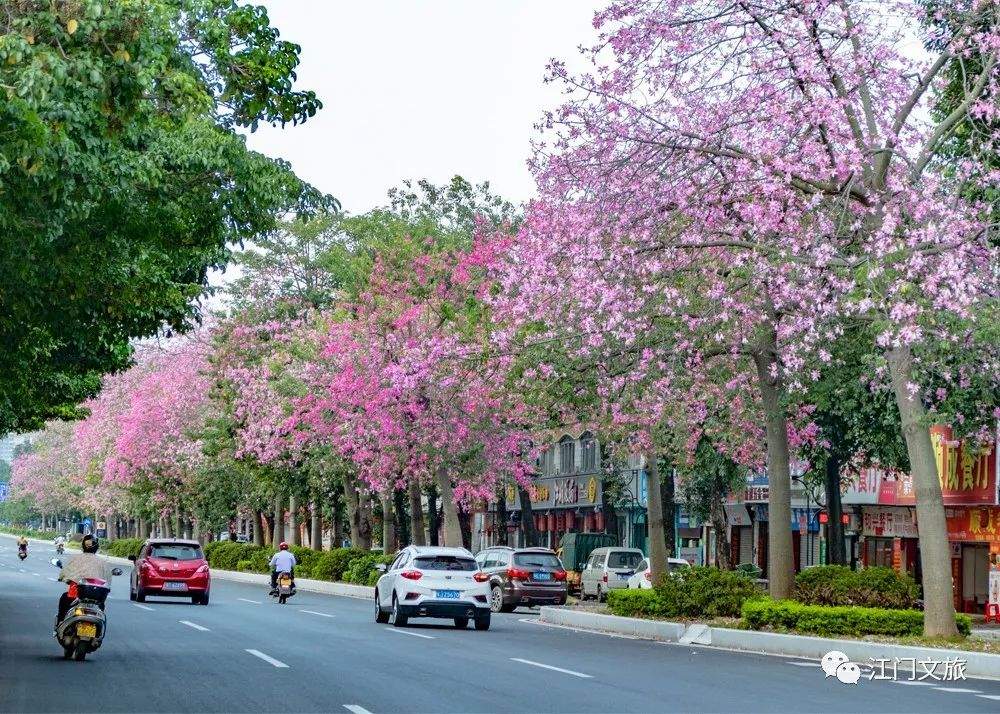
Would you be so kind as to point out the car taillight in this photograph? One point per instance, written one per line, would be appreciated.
(72, 591)
(480, 577)
(202, 569)
(560, 575)
(518, 574)
(412, 574)
(648, 575)
(605, 578)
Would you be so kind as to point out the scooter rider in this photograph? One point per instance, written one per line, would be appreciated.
(60, 544)
(282, 562)
(22, 544)
(80, 567)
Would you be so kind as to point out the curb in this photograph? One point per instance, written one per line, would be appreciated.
(978, 664)
(324, 587)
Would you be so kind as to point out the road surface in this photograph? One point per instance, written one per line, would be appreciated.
(318, 653)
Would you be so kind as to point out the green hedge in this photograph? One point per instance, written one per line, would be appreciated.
(31, 533)
(870, 587)
(838, 620)
(362, 570)
(331, 564)
(689, 592)
(123, 547)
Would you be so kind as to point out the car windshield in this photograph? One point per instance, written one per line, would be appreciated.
(623, 559)
(537, 560)
(176, 552)
(674, 567)
(444, 562)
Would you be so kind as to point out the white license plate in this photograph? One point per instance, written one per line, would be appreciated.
(175, 586)
(447, 594)
(623, 576)
(543, 576)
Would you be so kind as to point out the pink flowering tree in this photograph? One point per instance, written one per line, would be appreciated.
(794, 147)
(49, 476)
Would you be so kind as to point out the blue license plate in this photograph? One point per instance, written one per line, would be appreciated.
(543, 576)
(175, 586)
(447, 594)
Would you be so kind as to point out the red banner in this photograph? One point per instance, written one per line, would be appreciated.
(966, 477)
(974, 524)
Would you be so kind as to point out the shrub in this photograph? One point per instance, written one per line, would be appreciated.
(838, 620)
(871, 587)
(331, 564)
(706, 592)
(123, 547)
(362, 570)
(307, 559)
(635, 603)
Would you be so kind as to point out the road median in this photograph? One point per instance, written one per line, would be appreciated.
(978, 664)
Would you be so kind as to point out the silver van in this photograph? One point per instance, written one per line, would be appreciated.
(608, 569)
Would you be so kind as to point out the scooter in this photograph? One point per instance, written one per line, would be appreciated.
(83, 628)
(285, 589)
(60, 549)
(22, 553)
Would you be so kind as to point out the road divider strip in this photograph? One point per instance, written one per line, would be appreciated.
(270, 660)
(581, 675)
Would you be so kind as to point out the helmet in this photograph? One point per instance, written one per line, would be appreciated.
(89, 544)
(283, 546)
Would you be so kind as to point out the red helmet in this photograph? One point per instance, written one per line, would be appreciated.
(283, 546)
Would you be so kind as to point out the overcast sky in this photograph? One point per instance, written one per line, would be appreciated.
(422, 89)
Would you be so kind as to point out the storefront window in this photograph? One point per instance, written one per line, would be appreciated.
(879, 552)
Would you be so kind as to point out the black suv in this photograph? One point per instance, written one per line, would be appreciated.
(523, 576)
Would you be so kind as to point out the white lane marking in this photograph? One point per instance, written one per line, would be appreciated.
(536, 621)
(805, 664)
(356, 709)
(321, 614)
(191, 624)
(411, 634)
(269, 660)
(55, 580)
(957, 690)
(994, 697)
(914, 683)
(143, 607)
(37, 575)
(21, 570)
(581, 675)
(252, 602)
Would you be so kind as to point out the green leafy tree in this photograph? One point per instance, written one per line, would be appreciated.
(123, 179)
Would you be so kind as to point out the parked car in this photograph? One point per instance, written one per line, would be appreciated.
(641, 579)
(608, 569)
(574, 552)
(432, 581)
(170, 567)
(523, 576)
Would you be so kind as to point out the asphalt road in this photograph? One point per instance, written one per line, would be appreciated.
(245, 653)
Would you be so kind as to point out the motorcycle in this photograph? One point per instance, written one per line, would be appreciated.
(22, 553)
(82, 629)
(60, 548)
(285, 589)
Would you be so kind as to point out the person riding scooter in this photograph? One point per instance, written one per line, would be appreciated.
(80, 567)
(60, 543)
(282, 562)
(22, 547)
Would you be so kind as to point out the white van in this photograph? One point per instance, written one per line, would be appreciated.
(608, 569)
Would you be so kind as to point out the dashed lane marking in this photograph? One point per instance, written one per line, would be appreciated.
(957, 690)
(581, 675)
(143, 607)
(356, 709)
(252, 602)
(193, 625)
(805, 664)
(994, 697)
(321, 614)
(270, 660)
(411, 634)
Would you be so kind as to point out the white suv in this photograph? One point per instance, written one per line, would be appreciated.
(428, 581)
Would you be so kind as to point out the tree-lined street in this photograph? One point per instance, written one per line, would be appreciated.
(334, 657)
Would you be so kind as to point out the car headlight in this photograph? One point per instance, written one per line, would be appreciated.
(80, 612)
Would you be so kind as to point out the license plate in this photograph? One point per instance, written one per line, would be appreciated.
(86, 629)
(175, 586)
(447, 594)
(624, 576)
(543, 576)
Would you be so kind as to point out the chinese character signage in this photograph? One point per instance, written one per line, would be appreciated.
(889, 522)
(974, 524)
(863, 488)
(563, 491)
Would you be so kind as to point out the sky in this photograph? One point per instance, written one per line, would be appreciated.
(422, 89)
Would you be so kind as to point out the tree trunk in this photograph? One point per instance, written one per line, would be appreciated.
(723, 554)
(935, 553)
(417, 536)
(781, 569)
(452, 526)
(500, 525)
(353, 511)
(465, 523)
(294, 534)
(667, 501)
(336, 522)
(388, 526)
(315, 524)
(528, 530)
(434, 521)
(365, 520)
(657, 545)
(258, 528)
(835, 553)
(401, 521)
(278, 532)
(110, 524)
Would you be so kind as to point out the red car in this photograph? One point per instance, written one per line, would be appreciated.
(170, 567)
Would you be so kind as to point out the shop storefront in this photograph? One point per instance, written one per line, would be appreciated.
(559, 505)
